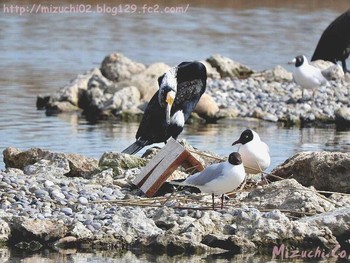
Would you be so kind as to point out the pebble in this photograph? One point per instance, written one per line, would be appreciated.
(83, 200)
(247, 95)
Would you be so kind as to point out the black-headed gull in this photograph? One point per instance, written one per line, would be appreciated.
(218, 178)
(255, 153)
(306, 75)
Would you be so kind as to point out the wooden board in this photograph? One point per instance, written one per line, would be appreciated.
(158, 170)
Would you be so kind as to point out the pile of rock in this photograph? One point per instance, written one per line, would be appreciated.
(68, 200)
(121, 89)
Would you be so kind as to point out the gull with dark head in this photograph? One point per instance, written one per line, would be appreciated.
(306, 75)
(255, 153)
(218, 178)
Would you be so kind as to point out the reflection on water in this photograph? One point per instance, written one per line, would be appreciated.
(73, 256)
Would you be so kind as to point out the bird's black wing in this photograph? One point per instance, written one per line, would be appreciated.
(153, 126)
(334, 43)
(192, 78)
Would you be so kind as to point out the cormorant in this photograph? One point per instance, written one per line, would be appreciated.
(334, 44)
(166, 113)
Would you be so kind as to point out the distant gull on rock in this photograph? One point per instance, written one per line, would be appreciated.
(306, 75)
(255, 153)
(218, 178)
(165, 115)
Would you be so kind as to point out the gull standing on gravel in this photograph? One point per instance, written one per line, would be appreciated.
(255, 153)
(306, 75)
(218, 178)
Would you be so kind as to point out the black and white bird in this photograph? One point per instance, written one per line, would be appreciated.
(166, 113)
(306, 75)
(255, 153)
(334, 43)
(218, 178)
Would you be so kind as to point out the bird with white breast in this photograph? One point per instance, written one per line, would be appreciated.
(306, 75)
(218, 178)
(255, 153)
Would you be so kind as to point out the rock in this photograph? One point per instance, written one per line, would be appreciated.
(60, 107)
(120, 161)
(117, 67)
(80, 231)
(329, 171)
(15, 158)
(278, 74)
(334, 72)
(228, 68)
(78, 165)
(342, 117)
(287, 195)
(322, 64)
(207, 108)
(336, 220)
(147, 80)
(25, 229)
(5, 232)
(67, 98)
(211, 71)
(232, 243)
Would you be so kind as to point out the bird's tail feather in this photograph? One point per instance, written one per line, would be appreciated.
(135, 147)
(177, 182)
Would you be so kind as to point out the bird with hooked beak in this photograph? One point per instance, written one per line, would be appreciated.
(166, 113)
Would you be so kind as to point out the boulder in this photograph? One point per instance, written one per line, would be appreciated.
(120, 162)
(342, 117)
(117, 67)
(278, 74)
(147, 80)
(207, 108)
(288, 195)
(333, 72)
(43, 231)
(329, 171)
(229, 68)
(70, 164)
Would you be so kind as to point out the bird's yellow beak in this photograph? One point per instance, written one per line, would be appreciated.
(170, 97)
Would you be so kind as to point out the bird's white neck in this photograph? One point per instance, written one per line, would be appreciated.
(178, 118)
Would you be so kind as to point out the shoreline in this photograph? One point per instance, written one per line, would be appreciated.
(62, 201)
(121, 88)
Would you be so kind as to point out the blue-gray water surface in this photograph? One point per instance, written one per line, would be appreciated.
(40, 53)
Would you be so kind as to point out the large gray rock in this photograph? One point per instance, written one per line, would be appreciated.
(117, 67)
(207, 108)
(147, 80)
(328, 171)
(70, 164)
(342, 117)
(336, 220)
(288, 195)
(229, 68)
(120, 162)
(27, 229)
(277, 74)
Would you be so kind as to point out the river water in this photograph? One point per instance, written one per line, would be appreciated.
(41, 51)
